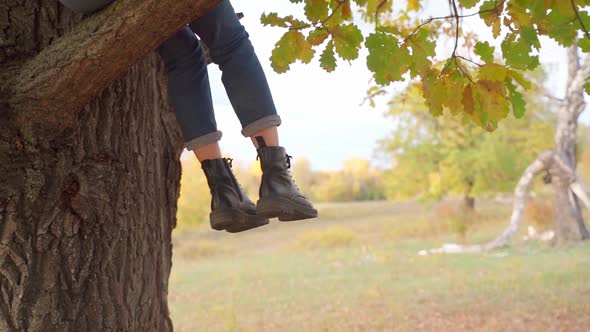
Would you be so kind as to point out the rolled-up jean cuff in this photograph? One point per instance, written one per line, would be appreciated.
(258, 125)
(203, 140)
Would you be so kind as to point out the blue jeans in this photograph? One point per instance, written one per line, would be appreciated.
(188, 81)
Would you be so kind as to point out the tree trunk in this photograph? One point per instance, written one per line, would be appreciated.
(87, 211)
(469, 203)
(569, 224)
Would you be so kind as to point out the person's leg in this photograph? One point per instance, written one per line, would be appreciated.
(210, 151)
(190, 96)
(242, 74)
(270, 136)
(189, 89)
(250, 96)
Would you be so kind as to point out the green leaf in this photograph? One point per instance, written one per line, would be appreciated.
(316, 10)
(584, 18)
(454, 85)
(529, 35)
(413, 5)
(273, 20)
(492, 72)
(557, 24)
(433, 91)
(485, 51)
(488, 12)
(584, 44)
(468, 3)
(490, 103)
(328, 58)
(563, 9)
(347, 41)
(387, 60)
(517, 100)
(317, 36)
(520, 13)
(422, 50)
(291, 47)
(518, 77)
(516, 51)
(467, 99)
(587, 87)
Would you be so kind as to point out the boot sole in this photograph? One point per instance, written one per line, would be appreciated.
(251, 223)
(235, 220)
(284, 209)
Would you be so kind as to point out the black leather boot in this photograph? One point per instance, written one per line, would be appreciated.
(231, 210)
(279, 196)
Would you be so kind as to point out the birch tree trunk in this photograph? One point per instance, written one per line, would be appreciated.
(89, 166)
(569, 224)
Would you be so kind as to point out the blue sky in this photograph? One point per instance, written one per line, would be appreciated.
(323, 119)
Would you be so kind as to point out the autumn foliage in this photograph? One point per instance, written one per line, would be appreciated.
(481, 80)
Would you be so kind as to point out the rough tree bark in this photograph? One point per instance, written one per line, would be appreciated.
(561, 166)
(89, 167)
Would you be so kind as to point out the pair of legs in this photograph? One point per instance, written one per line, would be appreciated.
(249, 93)
(213, 151)
(242, 76)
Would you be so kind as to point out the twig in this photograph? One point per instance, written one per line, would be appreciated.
(437, 18)
(553, 98)
(468, 60)
(575, 8)
(457, 25)
(340, 3)
(381, 4)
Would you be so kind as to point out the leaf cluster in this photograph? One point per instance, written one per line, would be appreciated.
(481, 81)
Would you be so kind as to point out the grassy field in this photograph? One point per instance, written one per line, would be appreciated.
(356, 269)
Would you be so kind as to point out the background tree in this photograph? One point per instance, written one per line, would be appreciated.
(435, 156)
(357, 181)
(194, 202)
(303, 174)
(89, 166)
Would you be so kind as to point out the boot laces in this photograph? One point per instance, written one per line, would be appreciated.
(288, 160)
(229, 162)
(231, 165)
(288, 157)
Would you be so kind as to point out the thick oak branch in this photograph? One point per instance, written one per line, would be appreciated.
(53, 86)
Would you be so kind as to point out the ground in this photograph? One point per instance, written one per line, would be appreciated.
(356, 269)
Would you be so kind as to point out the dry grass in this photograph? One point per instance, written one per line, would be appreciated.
(332, 237)
(193, 250)
(373, 280)
(539, 213)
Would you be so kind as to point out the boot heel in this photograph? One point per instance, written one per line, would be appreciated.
(271, 208)
(221, 219)
(284, 209)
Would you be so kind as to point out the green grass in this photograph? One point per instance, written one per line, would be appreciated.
(263, 280)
